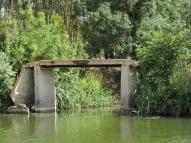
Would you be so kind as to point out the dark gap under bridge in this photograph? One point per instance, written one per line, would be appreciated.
(36, 84)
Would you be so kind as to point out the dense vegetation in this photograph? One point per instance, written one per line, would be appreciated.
(155, 33)
(6, 79)
(31, 39)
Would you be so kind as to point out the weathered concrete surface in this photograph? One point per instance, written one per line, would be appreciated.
(19, 109)
(133, 81)
(36, 85)
(23, 91)
(128, 86)
(45, 92)
(83, 63)
(125, 87)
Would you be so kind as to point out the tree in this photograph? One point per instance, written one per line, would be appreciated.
(6, 79)
(30, 38)
(107, 31)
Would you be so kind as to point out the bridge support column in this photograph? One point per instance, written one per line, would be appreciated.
(45, 93)
(128, 86)
(23, 91)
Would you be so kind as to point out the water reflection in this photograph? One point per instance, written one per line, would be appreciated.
(25, 128)
(95, 126)
(124, 125)
(44, 123)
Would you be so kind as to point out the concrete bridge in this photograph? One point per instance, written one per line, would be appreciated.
(36, 86)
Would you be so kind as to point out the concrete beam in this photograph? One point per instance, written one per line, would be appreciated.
(83, 63)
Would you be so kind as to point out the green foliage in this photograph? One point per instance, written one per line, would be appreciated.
(6, 79)
(164, 51)
(178, 101)
(105, 30)
(2, 41)
(158, 58)
(156, 33)
(29, 38)
(171, 100)
(163, 55)
(76, 91)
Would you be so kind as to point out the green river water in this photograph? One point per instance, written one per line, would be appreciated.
(92, 126)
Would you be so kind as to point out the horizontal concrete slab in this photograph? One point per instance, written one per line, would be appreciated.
(83, 63)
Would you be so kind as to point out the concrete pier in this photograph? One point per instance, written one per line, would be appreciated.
(45, 91)
(23, 90)
(125, 87)
(36, 85)
(128, 86)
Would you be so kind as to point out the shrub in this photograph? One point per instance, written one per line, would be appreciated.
(75, 91)
(158, 57)
(178, 101)
(6, 79)
(29, 38)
